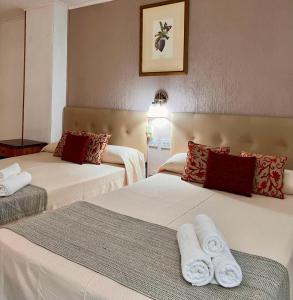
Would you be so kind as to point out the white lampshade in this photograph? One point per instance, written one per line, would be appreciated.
(158, 110)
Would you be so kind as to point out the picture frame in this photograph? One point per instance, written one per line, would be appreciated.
(164, 29)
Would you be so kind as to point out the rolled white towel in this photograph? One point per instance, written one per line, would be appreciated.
(197, 267)
(14, 169)
(209, 237)
(227, 271)
(14, 183)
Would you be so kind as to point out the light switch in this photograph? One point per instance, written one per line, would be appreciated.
(154, 143)
(165, 144)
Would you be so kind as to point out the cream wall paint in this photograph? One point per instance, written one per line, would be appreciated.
(240, 58)
(11, 77)
(38, 83)
(46, 66)
(59, 70)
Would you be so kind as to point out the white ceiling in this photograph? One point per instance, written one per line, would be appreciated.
(80, 3)
(13, 7)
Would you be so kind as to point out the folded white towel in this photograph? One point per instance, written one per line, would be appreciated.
(14, 169)
(197, 267)
(209, 237)
(14, 183)
(227, 271)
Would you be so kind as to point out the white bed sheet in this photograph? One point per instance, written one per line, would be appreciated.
(67, 182)
(259, 225)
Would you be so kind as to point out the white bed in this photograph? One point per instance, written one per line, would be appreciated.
(123, 160)
(67, 182)
(264, 226)
(258, 225)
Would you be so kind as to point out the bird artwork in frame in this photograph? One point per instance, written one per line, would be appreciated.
(164, 38)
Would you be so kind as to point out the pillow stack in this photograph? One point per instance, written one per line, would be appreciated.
(81, 146)
(249, 173)
(205, 255)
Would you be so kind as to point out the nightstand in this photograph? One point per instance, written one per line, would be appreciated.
(11, 148)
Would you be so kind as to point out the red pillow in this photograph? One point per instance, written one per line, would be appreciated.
(59, 149)
(196, 162)
(75, 148)
(230, 173)
(96, 147)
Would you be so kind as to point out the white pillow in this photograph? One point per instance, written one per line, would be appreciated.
(111, 155)
(50, 148)
(114, 154)
(288, 182)
(175, 164)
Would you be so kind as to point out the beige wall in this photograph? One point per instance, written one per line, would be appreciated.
(46, 70)
(240, 58)
(11, 77)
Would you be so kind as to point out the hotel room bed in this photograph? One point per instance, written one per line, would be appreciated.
(67, 182)
(258, 225)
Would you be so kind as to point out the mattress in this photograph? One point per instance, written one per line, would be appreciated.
(66, 182)
(257, 225)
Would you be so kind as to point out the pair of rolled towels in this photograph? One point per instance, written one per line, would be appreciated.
(205, 255)
(13, 179)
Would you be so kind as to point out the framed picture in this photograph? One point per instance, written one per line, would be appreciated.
(164, 38)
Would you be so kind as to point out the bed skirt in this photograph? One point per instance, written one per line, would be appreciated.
(28, 201)
(142, 256)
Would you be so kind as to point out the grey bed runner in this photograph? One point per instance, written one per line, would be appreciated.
(142, 256)
(28, 201)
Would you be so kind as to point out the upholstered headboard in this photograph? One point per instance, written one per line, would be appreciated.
(128, 128)
(267, 135)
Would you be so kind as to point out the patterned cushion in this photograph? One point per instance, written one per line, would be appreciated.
(97, 146)
(196, 162)
(269, 174)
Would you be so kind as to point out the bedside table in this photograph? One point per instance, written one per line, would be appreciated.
(11, 148)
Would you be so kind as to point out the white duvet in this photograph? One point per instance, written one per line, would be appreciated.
(257, 225)
(67, 182)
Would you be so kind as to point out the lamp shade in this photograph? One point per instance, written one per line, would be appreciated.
(158, 110)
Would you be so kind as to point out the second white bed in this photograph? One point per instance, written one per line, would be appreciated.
(260, 225)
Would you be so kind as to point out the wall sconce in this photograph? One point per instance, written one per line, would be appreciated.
(158, 107)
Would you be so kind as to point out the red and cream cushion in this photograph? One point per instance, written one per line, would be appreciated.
(196, 162)
(97, 146)
(269, 174)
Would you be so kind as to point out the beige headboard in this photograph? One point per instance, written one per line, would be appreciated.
(267, 135)
(128, 128)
